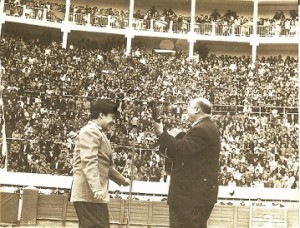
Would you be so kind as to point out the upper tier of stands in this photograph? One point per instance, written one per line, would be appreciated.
(227, 24)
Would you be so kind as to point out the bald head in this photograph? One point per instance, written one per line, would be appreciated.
(198, 108)
(203, 104)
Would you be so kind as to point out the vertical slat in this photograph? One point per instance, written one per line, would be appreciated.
(150, 213)
(122, 212)
(235, 216)
(64, 209)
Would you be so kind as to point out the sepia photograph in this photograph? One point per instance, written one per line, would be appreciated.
(149, 113)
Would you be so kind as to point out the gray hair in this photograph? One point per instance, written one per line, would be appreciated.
(204, 105)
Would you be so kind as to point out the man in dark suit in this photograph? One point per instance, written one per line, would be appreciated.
(193, 187)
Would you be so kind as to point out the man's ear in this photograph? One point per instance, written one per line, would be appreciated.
(198, 110)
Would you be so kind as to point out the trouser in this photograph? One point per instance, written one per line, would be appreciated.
(192, 217)
(92, 215)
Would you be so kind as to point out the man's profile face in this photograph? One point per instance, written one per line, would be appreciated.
(192, 110)
(108, 121)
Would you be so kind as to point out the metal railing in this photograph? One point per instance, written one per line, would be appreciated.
(277, 30)
(220, 28)
(256, 110)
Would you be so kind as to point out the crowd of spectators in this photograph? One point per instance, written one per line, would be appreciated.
(40, 10)
(47, 92)
(230, 23)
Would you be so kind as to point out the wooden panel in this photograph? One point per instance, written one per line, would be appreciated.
(222, 216)
(243, 216)
(71, 213)
(9, 204)
(51, 207)
(273, 217)
(116, 210)
(156, 214)
(139, 212)
(160, 213)
(293, 218)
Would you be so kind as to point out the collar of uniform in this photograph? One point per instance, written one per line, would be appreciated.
(199, 120)
(94, 123)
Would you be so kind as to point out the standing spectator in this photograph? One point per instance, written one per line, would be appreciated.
(223, 181)
(154, 172)
(231, 185)
(215, 15)
(277, 181)
(291, 180)
(92, 167)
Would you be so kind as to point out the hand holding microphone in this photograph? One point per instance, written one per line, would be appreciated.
(158, 127)
(127, 182)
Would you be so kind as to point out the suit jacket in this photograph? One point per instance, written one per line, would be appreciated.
(92, 165)
(194, 177)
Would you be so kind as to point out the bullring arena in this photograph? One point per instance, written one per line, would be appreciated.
(57, 56)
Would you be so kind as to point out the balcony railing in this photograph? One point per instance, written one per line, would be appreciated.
(277, 30)
(220, 28)
(33, 12)
(258, 110)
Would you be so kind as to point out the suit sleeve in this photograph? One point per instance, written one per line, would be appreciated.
(116, 176)
(89, 144)
(195, 141)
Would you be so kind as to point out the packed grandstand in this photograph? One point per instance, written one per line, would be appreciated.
(47, 91)
(47, 98)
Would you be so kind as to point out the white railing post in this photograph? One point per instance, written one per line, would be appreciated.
(170, 26)
(213, 28)
(45, 10)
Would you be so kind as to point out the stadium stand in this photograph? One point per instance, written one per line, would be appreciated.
(43, 106)
(48, 82)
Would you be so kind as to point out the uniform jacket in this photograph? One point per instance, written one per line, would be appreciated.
(92, 165)
(194, 176)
